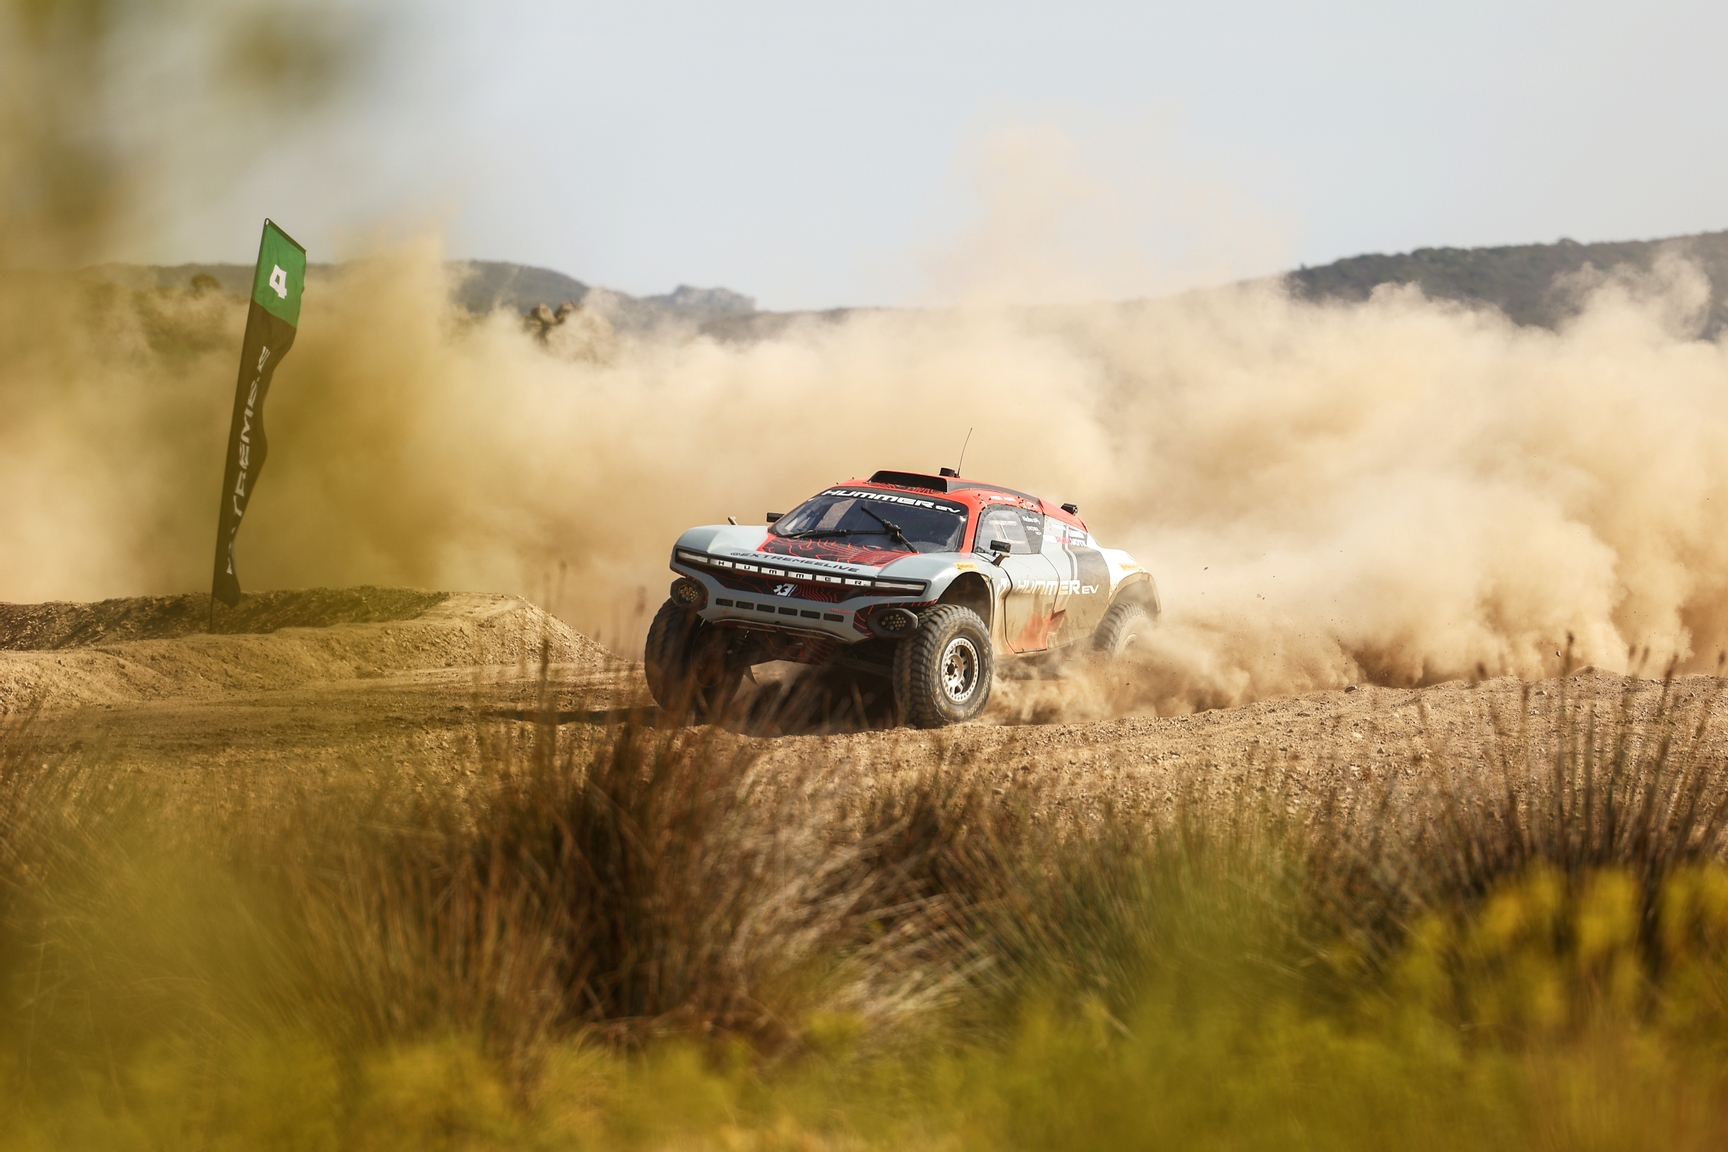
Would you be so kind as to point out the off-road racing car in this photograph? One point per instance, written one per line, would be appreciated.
(922, 581)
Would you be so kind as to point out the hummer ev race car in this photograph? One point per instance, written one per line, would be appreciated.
(923, 581)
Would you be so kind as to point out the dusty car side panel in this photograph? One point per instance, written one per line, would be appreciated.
(1084, 582)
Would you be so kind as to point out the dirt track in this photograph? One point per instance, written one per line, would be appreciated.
(414, 677)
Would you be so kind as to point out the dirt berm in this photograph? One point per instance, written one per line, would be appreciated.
(60, 655)
(299, 682)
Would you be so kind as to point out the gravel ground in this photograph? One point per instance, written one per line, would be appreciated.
(428, 683)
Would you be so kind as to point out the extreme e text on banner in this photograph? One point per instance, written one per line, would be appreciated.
(271, 321)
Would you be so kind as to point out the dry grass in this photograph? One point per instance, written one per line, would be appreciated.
(1584, 783)
(633, 880)
(630, 888)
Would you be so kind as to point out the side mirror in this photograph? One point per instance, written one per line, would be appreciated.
(773, 516)
(1001, 548)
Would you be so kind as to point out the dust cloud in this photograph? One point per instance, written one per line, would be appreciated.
(1398, 491)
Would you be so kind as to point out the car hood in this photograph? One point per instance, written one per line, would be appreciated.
(835, 550)
(742, 540)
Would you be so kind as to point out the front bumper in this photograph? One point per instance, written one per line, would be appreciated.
(759, 593)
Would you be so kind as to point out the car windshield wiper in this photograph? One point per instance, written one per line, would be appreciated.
(815, 532)
(889, 530)
(893, 528)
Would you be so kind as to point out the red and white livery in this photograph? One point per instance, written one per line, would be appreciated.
(924, 581)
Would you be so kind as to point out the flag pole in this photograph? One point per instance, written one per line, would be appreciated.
(272, 317)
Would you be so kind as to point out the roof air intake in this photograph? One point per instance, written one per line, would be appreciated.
(910, 480)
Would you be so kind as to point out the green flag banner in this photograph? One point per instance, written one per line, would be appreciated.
(271, 321)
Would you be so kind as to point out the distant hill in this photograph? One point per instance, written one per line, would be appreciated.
(492, 284)
(1520, 279)
(486, 286)
(1525, 281)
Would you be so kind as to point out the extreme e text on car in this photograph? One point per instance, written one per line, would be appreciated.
(924, 581)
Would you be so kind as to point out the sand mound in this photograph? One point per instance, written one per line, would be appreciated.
(37, 627)
(125, 651)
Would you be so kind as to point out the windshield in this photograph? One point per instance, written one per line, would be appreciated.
(884, 520)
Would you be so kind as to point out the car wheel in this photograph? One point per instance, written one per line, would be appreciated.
(686, 666)
(943, 671)
(1124, 627)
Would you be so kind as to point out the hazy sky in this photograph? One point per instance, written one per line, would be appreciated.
(816, 155)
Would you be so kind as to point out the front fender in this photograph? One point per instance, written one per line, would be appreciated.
(965, 580)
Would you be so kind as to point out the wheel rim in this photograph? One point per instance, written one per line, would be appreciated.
(960, 665)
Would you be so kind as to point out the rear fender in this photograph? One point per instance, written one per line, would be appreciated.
(1139, 588)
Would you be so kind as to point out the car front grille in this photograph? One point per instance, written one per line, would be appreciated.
(770, 579)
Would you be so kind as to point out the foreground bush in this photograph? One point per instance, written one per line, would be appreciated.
(1235, 1060)
(633, 937)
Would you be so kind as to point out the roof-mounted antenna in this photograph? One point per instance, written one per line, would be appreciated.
(963, 447)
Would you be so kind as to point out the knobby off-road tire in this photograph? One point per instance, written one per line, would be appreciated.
(1124, 626)
(684, 662)
(943, 671)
